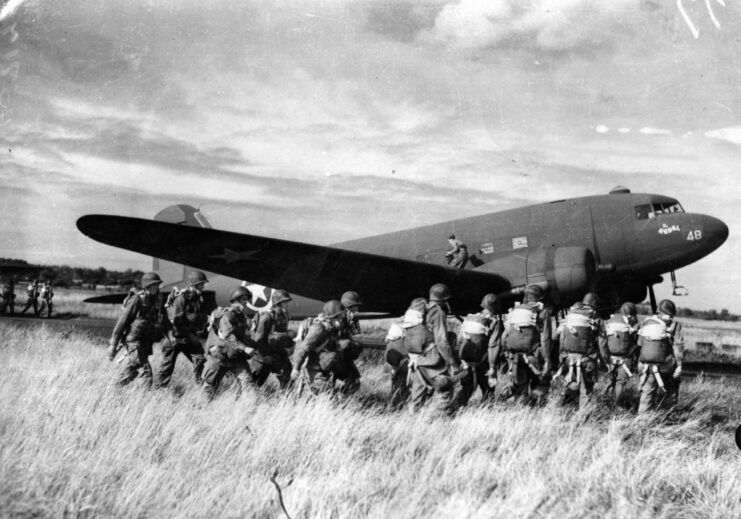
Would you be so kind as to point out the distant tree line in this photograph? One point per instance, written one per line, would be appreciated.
(66, 276)
(712, 314)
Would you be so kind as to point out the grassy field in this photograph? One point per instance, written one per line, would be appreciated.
(72, 444)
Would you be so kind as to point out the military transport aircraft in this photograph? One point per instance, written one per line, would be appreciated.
(617, 245)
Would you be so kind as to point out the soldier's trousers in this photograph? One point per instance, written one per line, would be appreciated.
(435, 387)
(476, 377)
(190, 347)
(330, 366)
(216, 369)
(271, 361)
(45, 305)
(400, 391)
(618, 380)
(7, 307)
(652, 396)
(580, 375)
(520, 382)
(137, 363)
(31, 303)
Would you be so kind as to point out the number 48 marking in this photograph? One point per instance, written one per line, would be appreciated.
(694, 235)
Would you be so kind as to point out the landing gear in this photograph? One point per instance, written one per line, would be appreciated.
(678, 290)
(652, 297)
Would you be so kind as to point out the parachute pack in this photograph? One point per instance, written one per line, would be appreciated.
(655, 338)
(522, 329)
(619, 336)
(578, 330)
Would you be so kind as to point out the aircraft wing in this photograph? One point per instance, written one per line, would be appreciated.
(385, 284)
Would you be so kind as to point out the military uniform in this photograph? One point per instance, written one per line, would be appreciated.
(188, 323)
(623, 349)
(228, 348)
(526, 342)
(435, 370)
(33, 295)
(7, 299)
(322, 356)
(46, 294)
(457, 255)
(397, 354)
(660, 361)
(272, 344)
(480, 334)
(141, 323)
(582, 339)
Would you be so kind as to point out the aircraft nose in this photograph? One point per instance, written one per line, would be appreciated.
(716, 232)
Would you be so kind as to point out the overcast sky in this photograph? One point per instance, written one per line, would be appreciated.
(326, 121)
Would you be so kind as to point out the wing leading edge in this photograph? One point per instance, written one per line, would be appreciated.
(386, 284)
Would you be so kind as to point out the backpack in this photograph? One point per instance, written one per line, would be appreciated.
(214, 318)
(578, 330)
(654, 337)
(522, 328)
(303, 329)
(619, 336)
(416, 339)
(132, 293)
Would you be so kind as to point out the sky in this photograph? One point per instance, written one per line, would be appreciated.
(327, 121)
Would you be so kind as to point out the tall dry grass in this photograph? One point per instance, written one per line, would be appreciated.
(72, 444)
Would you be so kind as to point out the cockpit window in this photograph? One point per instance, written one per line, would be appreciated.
(643, 212)
(646, 211)
(667, 208)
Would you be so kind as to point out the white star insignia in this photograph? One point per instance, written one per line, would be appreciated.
(232, 256)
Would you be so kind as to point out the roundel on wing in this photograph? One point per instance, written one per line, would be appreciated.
(261, 296)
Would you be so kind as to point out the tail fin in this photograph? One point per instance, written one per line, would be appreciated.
(175, 273)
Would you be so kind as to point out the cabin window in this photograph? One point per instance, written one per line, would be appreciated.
(643, 212)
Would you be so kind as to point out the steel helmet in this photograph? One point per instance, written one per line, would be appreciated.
(280, 296)
(238, 293)
(667, 307)
(628, 309)
(150, 278)
(332, 308)
(490, 302)
(419, 304)
(534, 293)
(591, 299)
(439, 292)
(196, 277)
(350, 298)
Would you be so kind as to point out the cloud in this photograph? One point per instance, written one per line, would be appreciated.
(10, 8)
(552, 25)
(731, 134)
(647, 130)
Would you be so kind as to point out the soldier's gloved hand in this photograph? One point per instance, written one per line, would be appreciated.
(677, 372)
(249, 351)
(294, 374)
(491, 378)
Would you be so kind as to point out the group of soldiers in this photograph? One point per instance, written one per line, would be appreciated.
(517, 355)
(248, 348)
(34, 292)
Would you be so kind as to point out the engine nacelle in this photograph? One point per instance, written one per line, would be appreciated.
(567, 271)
